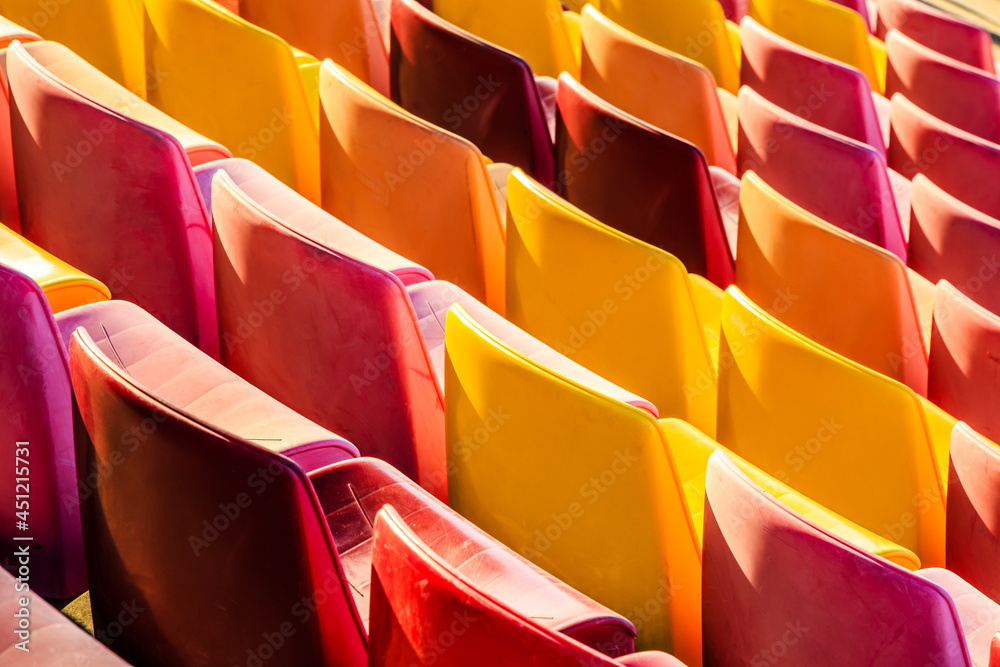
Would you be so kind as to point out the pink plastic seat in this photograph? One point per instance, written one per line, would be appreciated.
(114, 197)
(640, 180)
(937, 30)
(776, 586)
(480, 629)
(959, 163)
(479, 91)
(819, 89)
(950, 240)
(842, 181)
(959, 94)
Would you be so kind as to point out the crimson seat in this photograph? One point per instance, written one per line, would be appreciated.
(935, 29)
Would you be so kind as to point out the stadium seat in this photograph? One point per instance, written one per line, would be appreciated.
(697, 30)
(958, 94)
(237, 84)
(114, 197)
(820, 89)
(937, 30)
(410, 186)
(9, 213)
(475, 629)
(952, 241)
(536, 30)
(479, 91)
(842, 292)
(859, 443)
(826, 28)
(640, 180)
(841, 181)
(778, 587)
(956, 161)
(663, 88)
(634, 317)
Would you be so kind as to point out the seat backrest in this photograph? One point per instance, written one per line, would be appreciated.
(410, 186)
(237, 84)
(827, 28)
(847, 437)
(938, 30)
(38, 422)
(195, 529)
(695, 30)
(820, 89)
(958, 94)
(533, 29)
(810, 165)
(775, 583)
(114, 197)
(639, 180)
(613, 462)
(9, 213)
(974, 510)
(447, 603)
(646, 80)
(613, 304)
(950, 240)
(957, 161)
(829, 285)
(479, 91)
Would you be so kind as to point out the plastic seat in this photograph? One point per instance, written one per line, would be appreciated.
(479, 91)
(536, 30)
(9, 213)
(958, 162)
(697, 30)
(640, 180)
(820, 89)
(114, 197)
(105, 33)
(64, 286)
(663, 88)
(859, 443)
(478, 626)
(935, 29)
(827, 28)
(841, 181)
(958, 94)
(974, 510)
(410, 186)
(238, 84)
(635, 317)
(952, 241)
(778, 587)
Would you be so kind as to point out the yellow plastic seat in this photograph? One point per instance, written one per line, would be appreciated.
(695, 29)
(626, 310)
(597, 492)
(827, 28)
(841, 291)
(536, 30)
(105, 33)
(65, 287)
(413, 187)
(859, 443)
(665, 89)
(236, 84)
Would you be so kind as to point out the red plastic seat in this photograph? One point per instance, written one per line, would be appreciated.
(974, 510)
(777, 587)
(819, 89)
(935, 29)
(959, 94)
(114, 197)
(959, 163)
(464, 84)
(950, 240)
(842, 181)
(640, 180)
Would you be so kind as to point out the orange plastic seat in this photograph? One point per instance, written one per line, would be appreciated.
(9, 213)
(938, 30)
